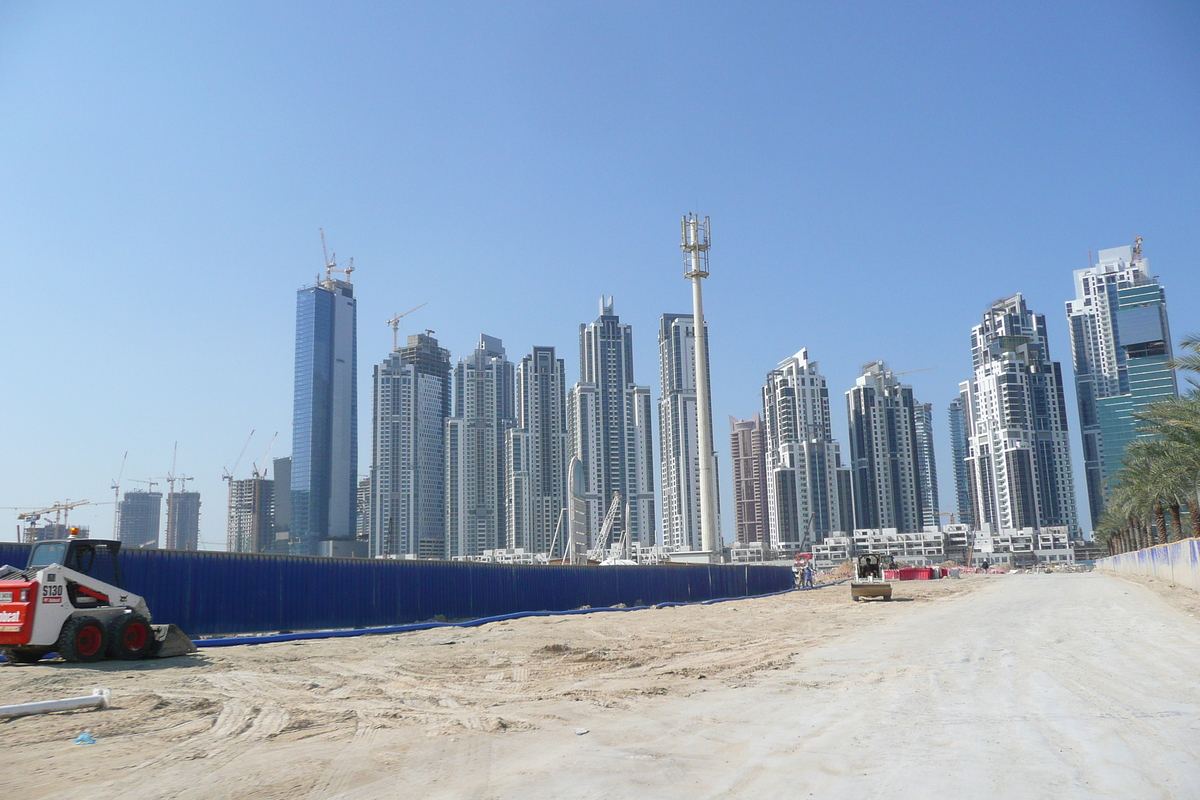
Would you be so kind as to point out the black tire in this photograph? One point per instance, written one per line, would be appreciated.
(83, 639)
(130, 637)
(23, 655)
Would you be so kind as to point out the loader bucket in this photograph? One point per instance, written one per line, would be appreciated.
(174, 641)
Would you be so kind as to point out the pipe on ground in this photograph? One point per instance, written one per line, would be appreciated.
(97, 699)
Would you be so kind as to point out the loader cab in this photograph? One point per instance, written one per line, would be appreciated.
(94, 557)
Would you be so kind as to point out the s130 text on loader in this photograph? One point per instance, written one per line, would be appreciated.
(69, 600)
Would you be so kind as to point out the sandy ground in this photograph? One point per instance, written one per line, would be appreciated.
(1011, 686)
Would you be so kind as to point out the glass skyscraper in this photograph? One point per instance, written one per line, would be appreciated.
(1122, 347)
(324, 481)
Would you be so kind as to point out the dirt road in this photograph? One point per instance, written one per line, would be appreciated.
(1014, 686)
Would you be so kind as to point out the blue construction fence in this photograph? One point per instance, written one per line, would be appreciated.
(1177, 562)
(207, 593)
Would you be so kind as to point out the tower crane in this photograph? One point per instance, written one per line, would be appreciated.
(331, 261)
(63, 508)
(395, 323)
(254, 469)
(228, 476)
(116, 487)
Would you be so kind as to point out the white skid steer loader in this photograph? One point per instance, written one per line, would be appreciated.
(69, 600)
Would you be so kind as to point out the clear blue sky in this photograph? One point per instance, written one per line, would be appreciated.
(876, 174)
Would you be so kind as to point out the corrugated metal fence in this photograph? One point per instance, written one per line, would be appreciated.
(209, 593)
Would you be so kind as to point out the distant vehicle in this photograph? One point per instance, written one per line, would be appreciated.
(69, 600)
(868, 578)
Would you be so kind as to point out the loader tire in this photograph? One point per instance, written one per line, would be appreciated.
(130, 637)
(82, 639)
(22, 655)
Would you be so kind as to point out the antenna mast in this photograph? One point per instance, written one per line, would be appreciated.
(695, 260)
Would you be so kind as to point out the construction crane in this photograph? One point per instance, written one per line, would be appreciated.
(331, 261)
(116, 487)
(63, 508)
(395, 323)
(150, 483)
(228, 475)
(911, 371)
(254, 468)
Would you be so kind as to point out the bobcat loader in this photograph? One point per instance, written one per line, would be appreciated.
(69, 600)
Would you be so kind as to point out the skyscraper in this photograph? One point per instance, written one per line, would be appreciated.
(139, 519)
(927, 466)
(748, 454)
(888, 490)
(1019, 458)
(411, 401)
(608, 427)
(536, 455)
(183, 521)
(475, 435)
(802, 457)
(958, 454)
(251, 526)
(1121, 345)
(324, 418)
(678, 430)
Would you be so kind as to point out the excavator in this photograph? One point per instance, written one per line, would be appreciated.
(69, 600)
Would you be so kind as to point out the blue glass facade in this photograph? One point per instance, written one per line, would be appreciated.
(324, 418)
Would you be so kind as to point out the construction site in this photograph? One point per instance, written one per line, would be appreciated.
(975, 686)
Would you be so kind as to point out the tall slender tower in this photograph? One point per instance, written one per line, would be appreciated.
(678, 432)
(536, 452)
(1019, 459)
(324, 484)
(748, 454)
(695, 247)
(608, 427)
(1121, 345)
(959, 446)
(475, 436)
(408, 451)
(888, 491)
(802, 457)
(927, 466)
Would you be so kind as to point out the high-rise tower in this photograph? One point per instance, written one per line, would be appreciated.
(251, 524)
(408, 450)
(183, 521)
(1121, 345)
(748, 454)
(608, 427)
(959, 446)
(927, 466)
(888, 488)
(475, 436)
(536, 456)
(324, 416)
(678, 426)
(140, 513)
(802, 457)
(1019, 461)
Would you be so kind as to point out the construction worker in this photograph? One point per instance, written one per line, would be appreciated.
(808, 576)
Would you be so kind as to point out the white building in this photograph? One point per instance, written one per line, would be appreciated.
(677, 434)
(609, 430)
(408, 457)
(802, 457)
(1019, 457)
(536, 456)
(250, 526)
(884, 451)
(475, 450)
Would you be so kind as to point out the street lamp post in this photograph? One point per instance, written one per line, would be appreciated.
(695, 248)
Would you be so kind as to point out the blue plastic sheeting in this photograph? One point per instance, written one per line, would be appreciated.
(207, 593)
(424, 626)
